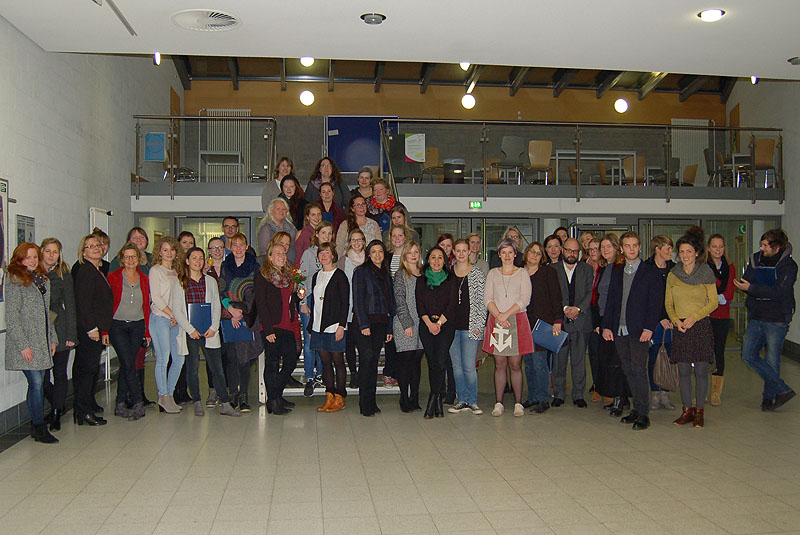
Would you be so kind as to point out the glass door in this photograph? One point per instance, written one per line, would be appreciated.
(205, 228)
(429, 229)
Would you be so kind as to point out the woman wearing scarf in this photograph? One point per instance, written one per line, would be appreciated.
(691, 296)
(436, 301)
(379, 206)
(327, 172)
(724, 272)
(373, 310)
(354, 256)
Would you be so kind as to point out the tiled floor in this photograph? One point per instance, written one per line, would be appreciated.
(568, 471)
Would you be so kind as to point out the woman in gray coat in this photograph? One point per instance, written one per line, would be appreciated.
(30, 336)
(406, 327)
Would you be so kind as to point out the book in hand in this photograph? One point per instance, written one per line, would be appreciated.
(230, 334)
(766, 276)
(200, 316)
(543, 337)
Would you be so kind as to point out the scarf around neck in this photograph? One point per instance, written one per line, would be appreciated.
(701, 274)
(434, 278)
(385, 206)
(356, 258)
(721, 274)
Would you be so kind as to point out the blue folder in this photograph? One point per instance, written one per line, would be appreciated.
(200, 316)
(229, 334)
(543, 337)
(766, 276)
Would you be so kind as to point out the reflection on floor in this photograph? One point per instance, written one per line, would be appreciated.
(568, 471)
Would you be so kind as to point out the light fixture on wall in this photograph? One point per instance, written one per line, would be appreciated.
(621, 105)
(306, 61)
(373, 19)
(711, 15)
(157, 58)
(464, 65)
(794, 61)
(307, 98)
(468, 101)
(754, 79)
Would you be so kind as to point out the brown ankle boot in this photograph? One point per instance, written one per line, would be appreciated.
(337, 404)
(698, 417)
(685, 417)
(328, 402)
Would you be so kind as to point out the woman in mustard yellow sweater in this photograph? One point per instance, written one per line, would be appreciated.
(691, 296)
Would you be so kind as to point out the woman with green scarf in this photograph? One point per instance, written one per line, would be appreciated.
(436, 296)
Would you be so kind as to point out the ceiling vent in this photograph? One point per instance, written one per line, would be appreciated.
(205, 20)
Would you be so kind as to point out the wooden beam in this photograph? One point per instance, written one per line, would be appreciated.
(517, 77)
(233, 67)
(283, 74)
(472, 77)
(726, 86)
(330, 75)
(606, 80)
(561, 79)
(689, 85)
(380, 68)
(425, 76)
(651, 82)
(184, 70)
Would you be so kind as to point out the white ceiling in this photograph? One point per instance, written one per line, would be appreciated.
(754, 37)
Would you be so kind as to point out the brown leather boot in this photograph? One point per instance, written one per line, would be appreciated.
(337, 404)
(698, 417)
(328, 402)
(686, 416)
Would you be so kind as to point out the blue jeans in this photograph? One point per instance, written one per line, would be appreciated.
(312, 363)
(463, 351)
(165, 342)
(771, 336)
(35, 395)
(538, 374)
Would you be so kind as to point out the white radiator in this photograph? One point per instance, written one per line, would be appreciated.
(688, 145)
(231, 138)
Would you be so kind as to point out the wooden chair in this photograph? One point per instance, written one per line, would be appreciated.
(628, 174)
(432, 165)
(689, 174)
(601, 169)
(539, 153)
(494, 171)
(573, 174)
(765, 152)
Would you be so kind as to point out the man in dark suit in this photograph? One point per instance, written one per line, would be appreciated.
(633, 309)
(575, 279)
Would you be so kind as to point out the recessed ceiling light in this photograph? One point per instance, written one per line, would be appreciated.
(794, 61)
(711, 15)
(468, 101)
(464, 65)
(307, 98)
(621, 105)
(373, 19)
(754, 79)
(306, 61)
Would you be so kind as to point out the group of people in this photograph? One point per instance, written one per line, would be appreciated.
(344, 286)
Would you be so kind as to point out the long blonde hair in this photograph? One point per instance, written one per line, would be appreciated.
(61, 268)
(405, 267)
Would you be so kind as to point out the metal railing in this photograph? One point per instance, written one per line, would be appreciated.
(189, 148)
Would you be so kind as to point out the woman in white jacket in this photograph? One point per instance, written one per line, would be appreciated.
(195, 288)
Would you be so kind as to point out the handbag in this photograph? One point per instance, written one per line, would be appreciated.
(665, 375)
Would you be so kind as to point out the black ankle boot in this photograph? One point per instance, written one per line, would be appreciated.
(430, 408)
(55, 419)
(274, 407)
(616, 408)
(438, 409)
(41, 434)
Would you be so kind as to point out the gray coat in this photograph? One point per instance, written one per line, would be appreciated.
(62, 308)
(406, 296)
(28, 325)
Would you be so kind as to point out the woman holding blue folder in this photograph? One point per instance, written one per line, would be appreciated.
(197, 309)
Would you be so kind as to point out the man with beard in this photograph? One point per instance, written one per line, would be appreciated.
(575, 279)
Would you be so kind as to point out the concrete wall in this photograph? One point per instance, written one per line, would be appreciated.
(67, 139)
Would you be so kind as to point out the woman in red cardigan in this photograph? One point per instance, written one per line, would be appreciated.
(129, 329)
(724, 272)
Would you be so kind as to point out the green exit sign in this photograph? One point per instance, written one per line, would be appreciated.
(475, 205)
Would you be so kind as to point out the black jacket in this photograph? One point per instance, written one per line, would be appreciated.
(369, 299)
(269, 304)
(663, 274)
(336, 302)
(762, 301)
(645, 301)
(94, 300)
(62, 306)
(545, 297)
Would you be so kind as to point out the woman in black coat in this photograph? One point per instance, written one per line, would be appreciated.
(94, 307)
(373, 310)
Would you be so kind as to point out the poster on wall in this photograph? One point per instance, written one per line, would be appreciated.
(155, 147)
(415, 147)
(3, 251)
(26, 229)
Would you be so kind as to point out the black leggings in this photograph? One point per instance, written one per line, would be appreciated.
(334, 383)
(85, 368)
(350, 349)
(369, 349)
(409, 365)
(56, 392)
(720, 328)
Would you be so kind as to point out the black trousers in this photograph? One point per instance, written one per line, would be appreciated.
(633, 355)
(280, 359)
(56, 392)
(408, 373)
(350, 349)
(437, 349)
(369, 349)
(85, 368)
(390, 360)
(720, 327)
(126, 337)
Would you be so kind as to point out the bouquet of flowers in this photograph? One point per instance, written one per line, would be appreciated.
(298, 278)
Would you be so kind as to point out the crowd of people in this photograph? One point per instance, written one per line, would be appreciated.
(339, 275)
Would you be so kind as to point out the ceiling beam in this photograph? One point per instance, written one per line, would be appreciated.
(472, 77)
(561, 79)
(380, 68)
(650, 82)
(233, 67)
(184, 70)
(425, 76)
(517, 78)
(283, 74)
(726, 84)
(330, 75)
(689, 85)
(606, 80)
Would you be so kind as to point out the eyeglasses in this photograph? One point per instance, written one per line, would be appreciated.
(573, 251)
(357, 240)
(594, 249)
(230, 226)
(217, 248)
(358, 204)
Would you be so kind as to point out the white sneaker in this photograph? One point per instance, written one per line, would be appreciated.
(519, 410)
(498, 409)
(458, 407)
(475, 409)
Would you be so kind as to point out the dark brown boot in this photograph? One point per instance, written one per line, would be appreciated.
(698, 417)
(686, 416)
